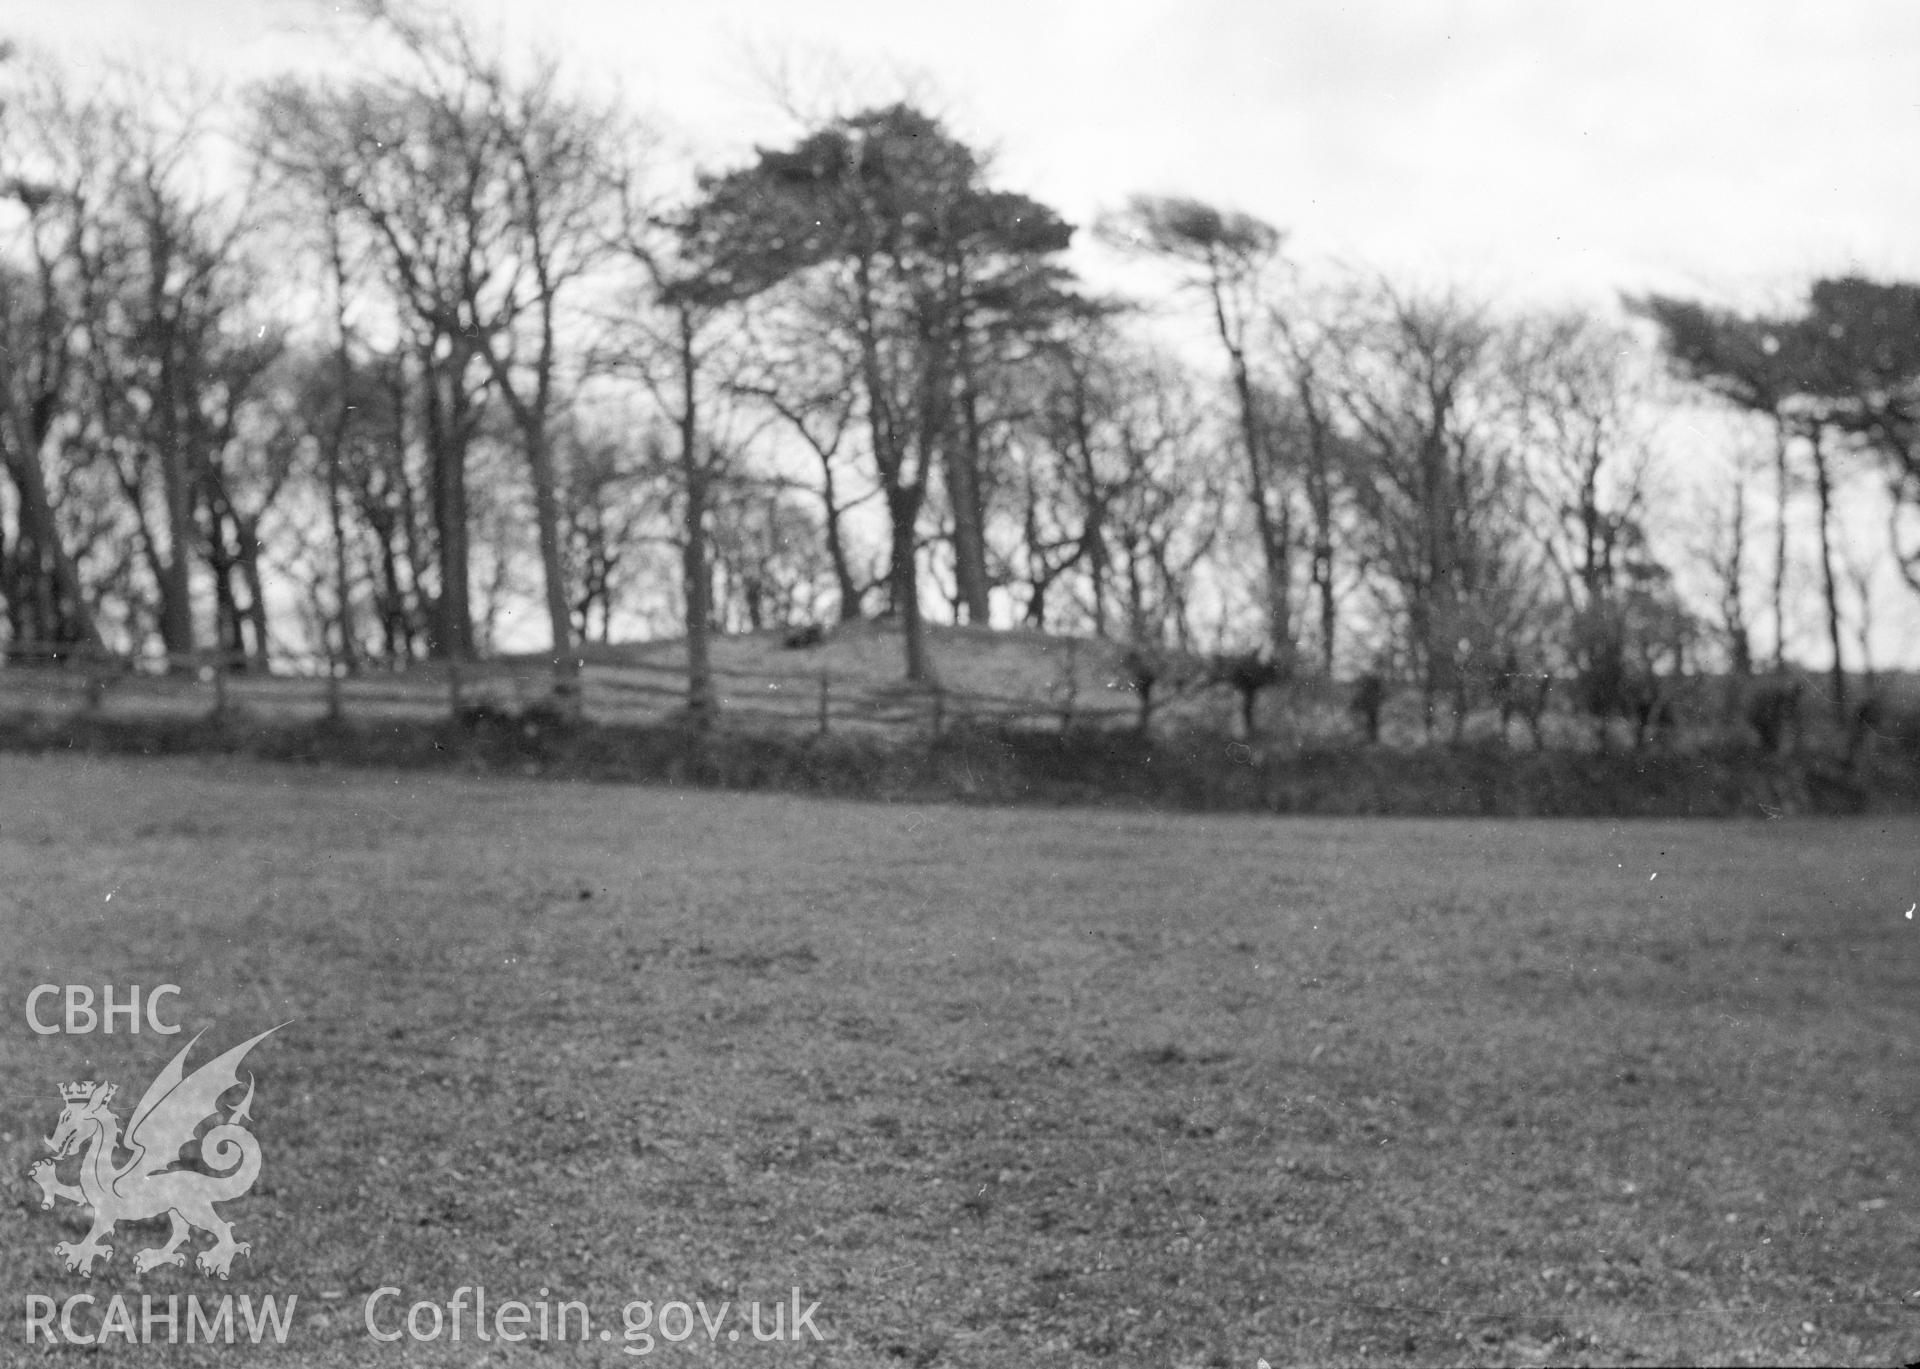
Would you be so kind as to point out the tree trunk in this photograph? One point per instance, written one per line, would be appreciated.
(1320, 497)
(1823, 485)
(904, 491)
(1782, 491)
(1323, 585)
(546, 511)
(1732, 600)
(247, 537)
(695, 573)
(850, 605)
(1275, 534)
(697, 576)
(226, 604)
(405, 530)
(1097, 567)
(964, 493)
(454, 607)
(1037, 586)
(903, 578)
(176, 610)
(969, 536)
(343, 602)
(176, 574)
(69, 607)
(336, 449)
(177, 490)
(530, 416)
(1138, 629)
(446, 434)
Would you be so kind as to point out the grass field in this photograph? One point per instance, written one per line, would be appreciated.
(995, 1088)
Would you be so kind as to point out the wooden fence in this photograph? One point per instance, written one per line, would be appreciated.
(45, 680)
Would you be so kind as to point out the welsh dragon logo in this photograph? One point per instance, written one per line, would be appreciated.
(148, 1185)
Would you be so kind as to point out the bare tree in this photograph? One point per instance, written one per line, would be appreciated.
(41, 335)
(152, 273)
(810, 379)
(679, 336)
(770, 556)
(1075, 417)
(1420, 387)
(612, 510)
(250, 438)
(1846, 366)
(1725, 553)
(1749, 361)
(1123, 495)
(1171, 504)
(486, 191)
(1225, 255)
(1307, 426)
(1816, 432)
(422, 206)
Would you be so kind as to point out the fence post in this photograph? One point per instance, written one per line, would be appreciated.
(334, 709)
(569, 687)
(96, 678)
(826, 700)
(1073, 684)
(219, 684)
(939, 710)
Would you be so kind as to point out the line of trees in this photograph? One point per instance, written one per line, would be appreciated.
(386, 359)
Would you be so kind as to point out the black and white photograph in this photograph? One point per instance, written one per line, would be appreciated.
(1210, 685)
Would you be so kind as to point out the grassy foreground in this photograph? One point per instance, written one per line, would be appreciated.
(995, 1087)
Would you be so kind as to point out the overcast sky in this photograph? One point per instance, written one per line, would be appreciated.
(1543, 150)
(1526, 149)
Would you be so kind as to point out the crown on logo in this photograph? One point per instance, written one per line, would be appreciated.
(78, 1093)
